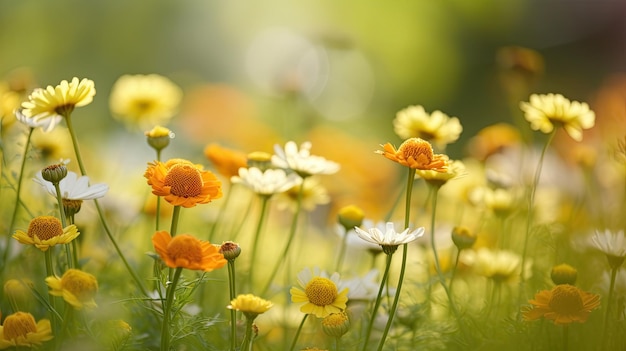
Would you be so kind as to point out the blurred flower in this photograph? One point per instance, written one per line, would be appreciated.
(437, 128)
(439, 177)
(563, 274)
(226, 161)
(20, 330)
(250, 305)
(49, 103)
(320, 293)
(499, 265)
(182, 183)
(144, 100)
(545, 111)
(336, 324)
(53, 145)
(362, 288)
(501, 202)
(388, 236)
(612, 244)
(77, 288)
(415, 153)
(462, 237)
(9, 102)
(563, 304)
(46, 231)
(46, 124)
(187, 252)
(73, 187)
(350, 216)
(159, 137)
(492, 139)
(313, 194)
(268, 182)
(301, 161)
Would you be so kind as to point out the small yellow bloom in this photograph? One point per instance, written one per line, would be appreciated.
(320, 296)
(563, 274)
(77, 288)
(451, 170)
(250, 305)
(46, 231)
(415, 153)
(21, 330)
(563, 304)
(437, 127)
(545, 111)
(350, 216)
(159, 137)
(336, 324)
(187, 252)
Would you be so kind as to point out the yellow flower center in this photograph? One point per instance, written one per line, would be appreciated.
(18, 324)
(420, 150)
(185, 180)
(82, 285)
(335, 320)
(185, 247)
(321, 291)
(45, 227)
(566, 299)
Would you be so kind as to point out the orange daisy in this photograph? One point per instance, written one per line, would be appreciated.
(226, 161)
(185, 251)
(563, 304)
(183, 183)
(415, 153)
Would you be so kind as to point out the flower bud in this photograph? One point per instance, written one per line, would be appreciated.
(336, 324)
(350, 216)
(159, 137)
(54, 173)
(463, 238)
(563, 274)
(230, 250)
(259, 159)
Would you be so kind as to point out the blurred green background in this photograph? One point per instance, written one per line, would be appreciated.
(352, 64)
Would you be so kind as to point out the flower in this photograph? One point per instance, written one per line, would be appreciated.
(301, 161)
(493, 139)
(350, 216)
(183, 183)
(563, 304)
(46, 124)
(144, 100)
(250, 305)
(187, 252)
(415, 153)
(77, 288)
(563, 274)
(462, 237)
(47, 104)
(159, 137)
(451, 170)
(73, 187)
(388, 236)
(544, 111)
(313, 194)
(230, 250)
(609, 242)
(438, 128)
(19, 329)
(336, 324)
(226, 161)
(268, 182)
(363, 288)
(319, 293)
(499, 265)
(46, 231)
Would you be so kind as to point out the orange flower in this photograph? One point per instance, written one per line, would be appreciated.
(415, 153)
(185, 251)
(563, 304)
(183, 183)
(226, 161)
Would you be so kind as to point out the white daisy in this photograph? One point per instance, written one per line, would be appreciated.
(268, 182)
(388, 236)
(610, 243)
(46, 124)
(74, 187)
(301, 161)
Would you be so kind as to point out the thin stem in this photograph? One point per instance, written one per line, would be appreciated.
(246, 345)
(565, 337)
(342, 249)
(157, 216)
(295, 338)
(50, 273)
(71, 259)
(454, 268)
(233, 313)
(607, 312)
(165, 328)
(174, 225)
(383, 281)
(255, 239)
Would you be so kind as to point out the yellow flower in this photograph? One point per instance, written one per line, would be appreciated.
(336, 324)
(159, 137)
(415, 153)
(77, 288)
(46, 231)
(437, 127)
(20, 330)
(313, 194)
(226, 161)
(545, 111)
(250, 305)
(492, 139)
(187, 252)
(183, 183)
(144, 100)
(563, 304)
(451, 170)
(563, 274)
(319, 294)
(350, 216)
(59, 100)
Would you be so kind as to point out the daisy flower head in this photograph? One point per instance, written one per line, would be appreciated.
(415, 153)
(250, 305)
(60, 100)
(319, 293)
(226, 161)
(313, 194)
(563, 304)
(268, 182)
(499, 265)
(73, 187)
(46, 124)
(141, 101)
(388, 236)
(301, 161)
(186, 251)
(77, 288)
(612, 244)
(46, 231)
(437, 127)
(439, 177)
(21, 330)
(183, 183)
(544, 112)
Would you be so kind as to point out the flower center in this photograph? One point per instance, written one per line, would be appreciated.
(45, 227)
(185, 247)
(335, 319)
(82, 285)
(18, 324)
(185, 180)
(418, 149)
(321, 291)
(565, 299)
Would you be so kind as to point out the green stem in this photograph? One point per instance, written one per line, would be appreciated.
(295, 338)
(233, 313)
(167, 310)
(157, 215)
(255, 239)
(50, 273)
(292, 233)
(342, 249)
(246, 345)
(71, 259)
(174, 225)
(565, 337)
(378, 301)
(454, 268)
(607, 312)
